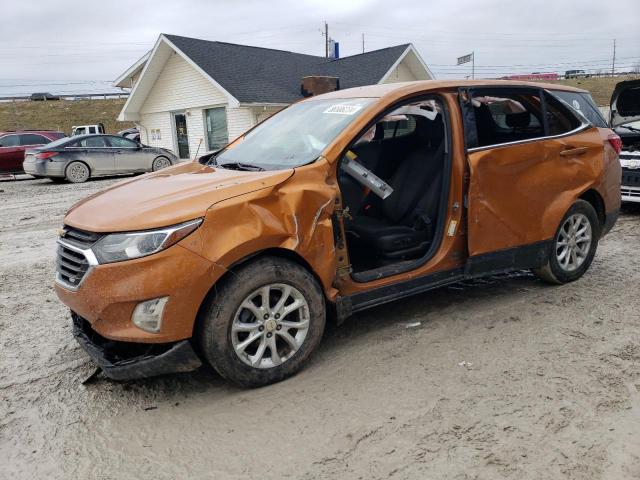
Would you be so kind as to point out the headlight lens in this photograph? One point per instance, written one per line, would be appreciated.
(126, 246)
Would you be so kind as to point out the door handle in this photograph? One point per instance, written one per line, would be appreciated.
(570, 152)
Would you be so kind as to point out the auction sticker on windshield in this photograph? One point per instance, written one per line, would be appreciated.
(343, 109)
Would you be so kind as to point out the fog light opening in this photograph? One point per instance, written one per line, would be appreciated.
(147, 315)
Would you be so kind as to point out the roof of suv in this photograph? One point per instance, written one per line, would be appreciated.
(375, 91)
(44, 132)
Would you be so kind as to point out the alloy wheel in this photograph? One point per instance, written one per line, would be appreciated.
(270, 325)
(160, 163)
(573, 242)
(77, 172)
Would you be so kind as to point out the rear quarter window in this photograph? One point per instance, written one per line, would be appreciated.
(584, 104)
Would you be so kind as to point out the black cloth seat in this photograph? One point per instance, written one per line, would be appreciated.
(403, 224)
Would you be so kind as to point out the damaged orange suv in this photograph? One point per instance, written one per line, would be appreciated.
(338, 203)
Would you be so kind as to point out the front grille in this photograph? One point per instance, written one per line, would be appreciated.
(630, 178)
(72, 263)
(630, 194)
(80, 238)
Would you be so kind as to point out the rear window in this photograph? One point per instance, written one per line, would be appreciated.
(399, 128)
(584, 104)
(91, 142)
(33, 139)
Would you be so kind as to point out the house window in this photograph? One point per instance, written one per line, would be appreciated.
(216, 125)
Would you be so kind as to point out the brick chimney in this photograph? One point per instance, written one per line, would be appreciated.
(316, 85)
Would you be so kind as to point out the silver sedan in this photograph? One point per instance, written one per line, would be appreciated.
(78, 158)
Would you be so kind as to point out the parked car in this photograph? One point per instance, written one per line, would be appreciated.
(625, 119)
(43, 96)
(575, 74)
(130, 133)
(14, 143)
(338, 203)
(87, 129)
(76, 159)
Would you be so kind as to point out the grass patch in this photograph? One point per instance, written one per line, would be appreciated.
(62, 114)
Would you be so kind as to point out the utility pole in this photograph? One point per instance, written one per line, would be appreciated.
(326, 40)
(363, 42)
(613, 64)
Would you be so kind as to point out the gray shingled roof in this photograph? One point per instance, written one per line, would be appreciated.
(263, 75)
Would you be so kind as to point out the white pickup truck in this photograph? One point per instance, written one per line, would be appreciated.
(87, 129)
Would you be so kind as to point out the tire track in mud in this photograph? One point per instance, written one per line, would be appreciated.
(545, 391)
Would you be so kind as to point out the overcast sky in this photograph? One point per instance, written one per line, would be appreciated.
(69, 46)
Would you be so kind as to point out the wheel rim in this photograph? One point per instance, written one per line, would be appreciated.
(573, 242)
(77, 172)
(161, 163)
(270, 325)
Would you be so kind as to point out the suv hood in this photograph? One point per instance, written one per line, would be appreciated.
(173, 195)
(625, 103)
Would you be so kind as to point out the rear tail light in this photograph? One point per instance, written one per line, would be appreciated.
(615, 142)
(45, 155)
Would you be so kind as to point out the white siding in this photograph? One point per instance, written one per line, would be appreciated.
(261, 114)
(239, 120)
(161, 121)
(179, 87)
(401, 74)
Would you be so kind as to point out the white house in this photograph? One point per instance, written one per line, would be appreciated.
(193, 96)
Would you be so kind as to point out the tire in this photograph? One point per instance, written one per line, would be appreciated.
(571, 253)
(77, 172)
(159, 163)
(226, 326)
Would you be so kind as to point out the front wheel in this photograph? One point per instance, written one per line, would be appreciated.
(574, 245)
(159, 163)
(262, 323)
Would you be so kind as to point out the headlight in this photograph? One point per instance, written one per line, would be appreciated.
(126, 246)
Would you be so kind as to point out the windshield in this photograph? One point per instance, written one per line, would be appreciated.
(294, 137)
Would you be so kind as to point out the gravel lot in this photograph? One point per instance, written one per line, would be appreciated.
(504, 378)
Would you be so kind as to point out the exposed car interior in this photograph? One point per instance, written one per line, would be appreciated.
(394, 195)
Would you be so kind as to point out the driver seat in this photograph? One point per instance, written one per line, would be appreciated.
(405, 222)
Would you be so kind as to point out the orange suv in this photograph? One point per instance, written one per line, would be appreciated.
(336, 204)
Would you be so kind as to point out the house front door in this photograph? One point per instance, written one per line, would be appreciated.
(182, 138)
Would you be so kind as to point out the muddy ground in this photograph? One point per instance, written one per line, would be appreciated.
(508, 378)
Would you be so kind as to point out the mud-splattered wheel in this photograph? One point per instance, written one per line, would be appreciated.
(574, 245)
(77, 172)
(159, 163)
(263, 322)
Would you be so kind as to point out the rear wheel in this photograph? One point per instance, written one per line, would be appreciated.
(77, 172)
(261, 325)
(574, 245)
(160, 163)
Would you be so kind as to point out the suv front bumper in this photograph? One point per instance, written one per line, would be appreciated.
(128, 360)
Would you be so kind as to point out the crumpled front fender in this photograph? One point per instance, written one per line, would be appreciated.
(294, 215)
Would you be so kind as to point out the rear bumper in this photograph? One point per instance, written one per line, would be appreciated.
(127, 360)
(44, 168)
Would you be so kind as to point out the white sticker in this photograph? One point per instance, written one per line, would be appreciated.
(343, 109)
(452, 228)
(576, 104)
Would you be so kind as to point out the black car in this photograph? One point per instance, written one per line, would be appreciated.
(78, 158)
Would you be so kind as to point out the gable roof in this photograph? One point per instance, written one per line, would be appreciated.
(264, 75)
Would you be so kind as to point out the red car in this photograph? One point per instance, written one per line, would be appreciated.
(13, 144)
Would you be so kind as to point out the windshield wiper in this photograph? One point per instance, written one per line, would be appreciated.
(633, 129)
(241, 166)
